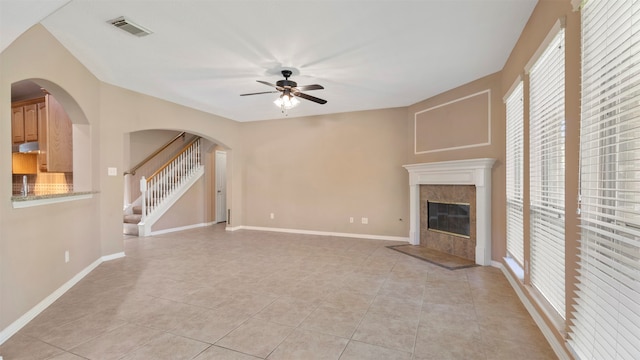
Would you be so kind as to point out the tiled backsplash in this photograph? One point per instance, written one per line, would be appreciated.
(44, 183)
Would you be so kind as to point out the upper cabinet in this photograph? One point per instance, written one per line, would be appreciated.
(17, 124)
(56, 144)
(24, 120)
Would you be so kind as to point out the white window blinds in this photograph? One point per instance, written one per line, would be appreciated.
(606, 321)
(546, 141)
(515, 143)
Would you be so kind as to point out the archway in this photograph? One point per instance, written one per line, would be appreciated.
(147, 151)
(61, 159)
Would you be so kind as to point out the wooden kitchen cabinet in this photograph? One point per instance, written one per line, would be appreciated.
(31, 123)
(24, 121)
(56, 140)
(17, 124)
(42, 130)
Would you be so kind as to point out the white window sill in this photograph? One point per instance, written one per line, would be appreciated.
(515, 268)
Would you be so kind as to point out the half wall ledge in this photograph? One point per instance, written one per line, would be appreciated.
(475, 172)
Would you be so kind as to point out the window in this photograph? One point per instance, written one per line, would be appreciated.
(606, 321)
(546, 166)
(515, 142)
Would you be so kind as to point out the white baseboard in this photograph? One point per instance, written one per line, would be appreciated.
(181, 228)
(321, 233)
(113, 256)
(542, 325)
(15, 326)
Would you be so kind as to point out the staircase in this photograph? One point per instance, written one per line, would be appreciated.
(162, 188)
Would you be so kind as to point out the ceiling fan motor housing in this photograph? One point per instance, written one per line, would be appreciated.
(286, 83)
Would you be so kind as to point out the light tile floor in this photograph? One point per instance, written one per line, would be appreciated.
(210, 294)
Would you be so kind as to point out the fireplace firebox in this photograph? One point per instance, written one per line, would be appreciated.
(449, 217)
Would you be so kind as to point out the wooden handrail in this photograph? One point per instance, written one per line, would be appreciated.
(132, 171)
(173, 158)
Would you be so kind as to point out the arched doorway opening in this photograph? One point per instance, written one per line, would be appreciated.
(50, 137)
(147, 153)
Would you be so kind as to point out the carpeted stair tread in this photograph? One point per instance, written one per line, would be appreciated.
(132, 218)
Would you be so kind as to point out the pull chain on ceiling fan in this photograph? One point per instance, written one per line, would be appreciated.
(290, 92)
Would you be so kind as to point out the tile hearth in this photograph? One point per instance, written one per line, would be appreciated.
(211, 294)
(447, 261)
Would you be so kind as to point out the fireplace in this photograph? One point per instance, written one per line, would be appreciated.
(472, 177)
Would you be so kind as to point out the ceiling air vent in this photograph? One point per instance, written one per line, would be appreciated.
(128, 26)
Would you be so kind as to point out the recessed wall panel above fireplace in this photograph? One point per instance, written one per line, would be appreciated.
(439, 128)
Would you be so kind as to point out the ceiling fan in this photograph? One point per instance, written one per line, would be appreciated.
(290, 91)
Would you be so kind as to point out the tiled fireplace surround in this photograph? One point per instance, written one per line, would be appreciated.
(464, 247)
(426, 180)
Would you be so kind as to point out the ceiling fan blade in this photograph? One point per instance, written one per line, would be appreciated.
(270, 84)
(263, 92)
(310, 98)
(310, 87)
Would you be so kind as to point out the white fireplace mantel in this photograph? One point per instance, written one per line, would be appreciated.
(461, 172)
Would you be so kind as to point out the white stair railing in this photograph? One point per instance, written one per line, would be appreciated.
(150, 164)
(169, 178)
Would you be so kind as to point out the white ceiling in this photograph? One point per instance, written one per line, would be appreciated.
(204, 54)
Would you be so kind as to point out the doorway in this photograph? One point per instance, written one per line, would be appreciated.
(221, 186)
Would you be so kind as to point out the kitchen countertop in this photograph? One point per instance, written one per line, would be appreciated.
(49, 196)
(20, 201)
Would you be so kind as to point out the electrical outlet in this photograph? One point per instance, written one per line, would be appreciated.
(272, 216)
(66, 256)
(365, 220)
(351, 220)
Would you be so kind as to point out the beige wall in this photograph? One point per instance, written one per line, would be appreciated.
(314, 173)
(144, 143)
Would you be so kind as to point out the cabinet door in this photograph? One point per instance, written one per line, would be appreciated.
(17, 124)
(43, 122)
(60, 138)
(31, 122)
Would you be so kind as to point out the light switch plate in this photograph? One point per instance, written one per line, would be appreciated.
(112, 171)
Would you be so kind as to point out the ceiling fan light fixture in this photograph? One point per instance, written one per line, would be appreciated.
(286, 102)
